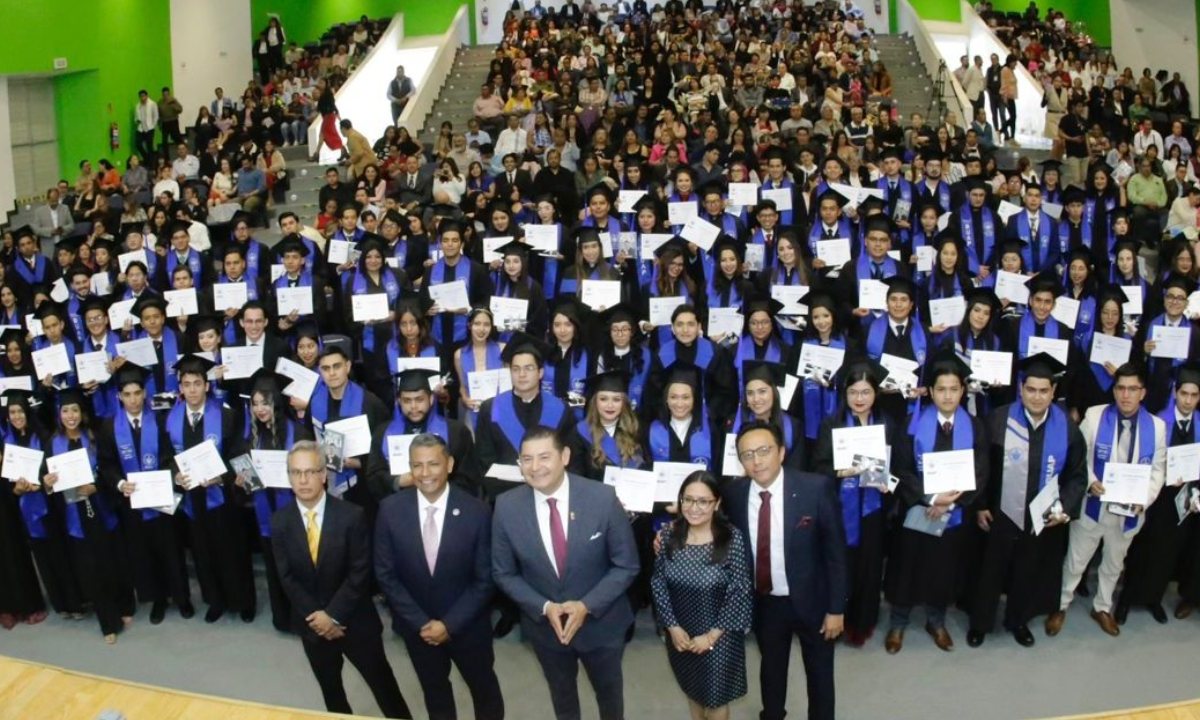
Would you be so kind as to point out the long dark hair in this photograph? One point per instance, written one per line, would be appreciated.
(722, 530)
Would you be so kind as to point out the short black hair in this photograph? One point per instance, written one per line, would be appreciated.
(284, 215)
(541, 432)
(1130, 369)
(775, 430)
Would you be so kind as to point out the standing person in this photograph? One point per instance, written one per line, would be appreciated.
(400, 91)
(1138, 437)
(571, 596)
(327, 107)
(1154, 552)
(1008, 97)
(1033, 444)
(169, 110)
(992, 85)
(438, 582)
(702, 596)
(146, 114)
(322, 548)
(798, 544)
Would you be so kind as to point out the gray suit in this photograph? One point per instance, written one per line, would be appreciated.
(602, 562)
(43, 221)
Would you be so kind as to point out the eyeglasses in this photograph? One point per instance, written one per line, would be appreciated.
(702, 503)
(761, 453)
(860, 393)
(306, 473)
(1172, 297)
(1128, 388)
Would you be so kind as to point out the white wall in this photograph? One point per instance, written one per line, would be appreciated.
(8, 181)
(1157, 34)
(210, 47)
(1031, 116)
(439, 67)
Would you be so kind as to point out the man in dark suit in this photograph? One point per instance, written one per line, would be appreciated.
(433, 563)
(323, 552)
(797, 544)
(512, 177)
(563, 550)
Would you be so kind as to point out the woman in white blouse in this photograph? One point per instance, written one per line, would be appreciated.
(449, 182)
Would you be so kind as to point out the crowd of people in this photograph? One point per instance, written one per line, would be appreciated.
(860, 362)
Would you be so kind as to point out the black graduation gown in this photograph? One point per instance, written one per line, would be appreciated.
(1155, 550)
(923, 569)
(1027, 568)
(378, 416)
(20, 593)
(466, 473)
(374, 366)
(153, 548)
(491, 444)
(864, 561)
(720, 384)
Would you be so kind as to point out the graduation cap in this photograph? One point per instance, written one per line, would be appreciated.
(858, 368)
(879, 223)
(712, 187)
(1042, 282)
(131, 228)
(522, 342)
(933, 154)
(337, 344)
(1175, 280)
(1120, 213)
(834, 195)
(675, 243)
(393, 217)
(268, 382)
(178, 226)
(648, 202)
(147, 301)
(1189, 372)
(49, 308)
(193, 364)
(414, 380)
(514, 247)
(568, 308)
(586, 233)
(611, 381)
(620, 312)
(871, 204)
(72, 396)
(12, 333)
(103, 243)
(946, 362)
(600, 188)
(984, 295)
(307, 328)
(1080, 253)
(975, 182)
(761, 303)
(206, 322)
(820, 299)
(130, 373)
(93, 302)
(901, 284)
(371, 241)
(448, 225)
(928, 204)
(1010, 173)
(23, 231)
(772, 373)
(891, 153)
(1051, 164)
(1012, 245)
(1042, 365)
(70, 244)
(727, 241)
(944, 237)
(1073, 195)
(24, 398)
(291, 243)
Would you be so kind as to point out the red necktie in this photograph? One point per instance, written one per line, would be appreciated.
(558, 537)
(762, 559)
(947, 427)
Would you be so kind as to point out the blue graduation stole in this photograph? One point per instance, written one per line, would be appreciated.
(13, 318)
(578, 372)
(354, 237)
(862, 267)
(699, 443)
(714, 295)
(504, 416)
(104, 400)
(34, 507)
(38, 275)
(75, 316)
(214, 496)
(924, 431)
(988, 224)
(62, 379)
(194, 263)
(130, 461)
(941, 195)
(1104, 447)
(607, 443)
(905, 191)
(1043, 243)
(268, 500)
(674, 198)
(441, 273)
(746, 351)
(229, 334)
(786, 217)
(1064, 236)
(1156, 363)
(392, 350)
(857, 501)
(550, 268)
(1053, 331)
(663, 333)
(170, 345)
(1052, 195)
(435, 424)
(1054, 449)
(1086, 319)
(253, 257)
(390, 286)
(819, 402)
(705, 350)
(492, 360)
(637, 381)
(882, 325)
(612, 226)
(59, 445)
(352, 406)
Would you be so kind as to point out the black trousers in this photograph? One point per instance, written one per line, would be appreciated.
(1026, 568)
(775, 624)
(364, 650)
(53, 561)
(158, 560)
(281, 607)
(996, 102)
(1010, 118)
(560, 666)
(143, 143)
(474, 661)
(171, 135)
(222, 562)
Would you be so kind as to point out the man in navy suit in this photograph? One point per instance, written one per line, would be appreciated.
(433, 561)
(563, 550)
(793, 526)
(323, 551)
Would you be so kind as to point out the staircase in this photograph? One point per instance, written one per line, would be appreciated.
(912, 89)
(307, 179)
(454, 102)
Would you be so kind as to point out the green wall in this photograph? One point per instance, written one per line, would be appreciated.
(1093, 12)
(946, 10)
(113, 49)
(306, 20)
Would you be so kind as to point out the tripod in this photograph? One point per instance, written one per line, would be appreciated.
(937, 102)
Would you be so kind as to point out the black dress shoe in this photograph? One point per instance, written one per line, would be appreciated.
(214, 614)
(1023, 637)
(187, 611)
(158, 612)
(1158, 613)
(504, 626)
(1121, 613)
(1082, 589)
(975, 638)
(247, 615)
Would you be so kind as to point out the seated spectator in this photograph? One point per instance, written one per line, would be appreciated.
(488, 110)
(251, 188)
(110, 179)
(1147, 196)
(166, 183)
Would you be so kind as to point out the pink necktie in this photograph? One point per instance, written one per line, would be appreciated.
(429, 535)
(558, 537)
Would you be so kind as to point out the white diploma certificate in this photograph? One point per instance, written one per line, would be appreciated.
(1126, 483)
(1040, 504)
(947, 311)
(339, 251)
(294, 298)
(124, 259)
(826, 358)
(700, 232)
(678, 213)
(743, 194)
(636, 489)
(19, 382)
(152, 490)
(1110, 349)
(790, 296)
(92, 367)
(509, 312)
(487, 384)
(731, 464)
(241, 361)
(1011, 287)
(228, 296)
(101, 284)
(369, 307)
(925, 256)
(139, 352)
(304, 381)
(1183, 464)
(51, 361)
(507, 473)
(992, 367)
(397, 450)
(491, 245)
(450, 296)
(662, 307)
(1007, 209)
(418, 363)
(271, 466)
(868, 441)
(357, 431)
(1057, 349)
(181, 302)
(1169, 342)
(834, 252)
(542, 238)
(670, 477)
(1066, 311)
(200, 463)
(949, 471)
(872, 294)
(600, 294)
(74, 469)
(782, 197)
(22, 463)
(1133, 300)
(723, 321)
(651, 242)
(626, 199)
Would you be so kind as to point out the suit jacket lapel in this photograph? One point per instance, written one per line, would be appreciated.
(535, 534)
(791, 502)
(326, 530)
(413, 532)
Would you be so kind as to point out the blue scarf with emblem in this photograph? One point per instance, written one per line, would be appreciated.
(268, 500)
(857, 501)
(59, 444)
(390, 286)
(988, 225)
(819, 401)
(214, 495)
(148, 441)
(924, 431)
(442, 273)
(194, 263)
(504, 416)
(698, 445)
(34, 507)
(1105, 447)
(351, 406)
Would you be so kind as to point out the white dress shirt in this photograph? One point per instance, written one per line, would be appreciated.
(680, 428)
(563, 496)
(439, 510)
(779, 584)
(319, 508)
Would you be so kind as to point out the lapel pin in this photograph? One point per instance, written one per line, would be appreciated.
(572, 515)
